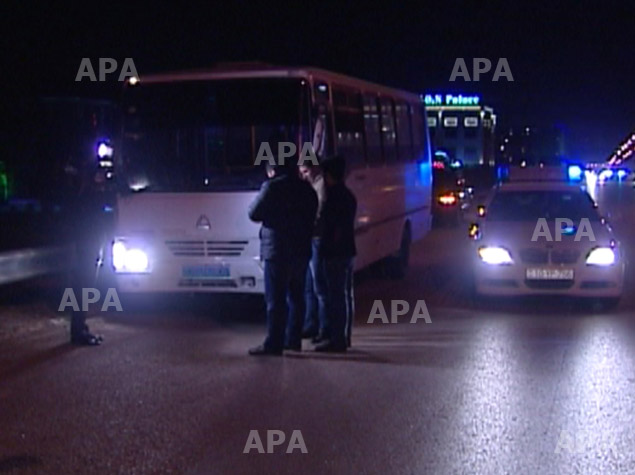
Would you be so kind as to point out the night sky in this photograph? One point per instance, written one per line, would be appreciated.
(572, 65)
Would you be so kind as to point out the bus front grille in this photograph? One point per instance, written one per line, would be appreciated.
(199, 248)
(225, 248)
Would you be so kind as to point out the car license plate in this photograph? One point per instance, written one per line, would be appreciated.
(549, 274)
(212, 271)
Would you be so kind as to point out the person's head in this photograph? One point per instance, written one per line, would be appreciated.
(309, 172)
(288, 168)
(334, 170)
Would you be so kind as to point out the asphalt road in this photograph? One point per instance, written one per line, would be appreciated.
(520, 387)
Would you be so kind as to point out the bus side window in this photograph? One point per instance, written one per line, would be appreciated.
(389, 137)
(371, 129)
(349, 125)
(403, 131)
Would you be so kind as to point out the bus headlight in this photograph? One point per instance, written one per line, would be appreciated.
(601, 256)
(129, 259)
(495, 255)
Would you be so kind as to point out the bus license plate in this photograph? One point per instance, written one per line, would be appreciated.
(549, 274)
(213, 271)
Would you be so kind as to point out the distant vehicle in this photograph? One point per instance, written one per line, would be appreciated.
(187, 158)
(452, 196)
(545, 237)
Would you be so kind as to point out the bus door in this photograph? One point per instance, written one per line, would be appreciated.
(322, 121)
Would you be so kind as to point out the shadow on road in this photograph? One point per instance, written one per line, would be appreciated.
(19, 462)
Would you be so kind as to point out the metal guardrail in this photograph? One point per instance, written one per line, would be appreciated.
(25, 264)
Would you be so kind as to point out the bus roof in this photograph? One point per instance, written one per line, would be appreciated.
(262, 70)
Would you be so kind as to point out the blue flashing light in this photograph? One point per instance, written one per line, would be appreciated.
(574, 172)
(605, 174)
(502, 172)
(568, 230)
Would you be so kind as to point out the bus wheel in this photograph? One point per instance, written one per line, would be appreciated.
(398, 264)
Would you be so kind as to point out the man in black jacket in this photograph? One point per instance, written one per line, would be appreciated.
(86, 226)
(337, 249)
(286, 206)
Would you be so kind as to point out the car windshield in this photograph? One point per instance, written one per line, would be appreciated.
(536, 204)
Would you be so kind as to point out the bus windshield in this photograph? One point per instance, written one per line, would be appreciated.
(192, 136)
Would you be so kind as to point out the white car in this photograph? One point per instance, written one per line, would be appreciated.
(545, 238)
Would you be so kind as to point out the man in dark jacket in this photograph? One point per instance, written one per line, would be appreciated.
(88, 231)
(337, 249)
(286, 206)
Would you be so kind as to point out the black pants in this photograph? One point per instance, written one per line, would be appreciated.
(284, 296)
(84, 270)
(340, 301)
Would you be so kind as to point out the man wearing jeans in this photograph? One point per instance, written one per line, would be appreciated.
(286, 206)
(337, 249)
(315, 287)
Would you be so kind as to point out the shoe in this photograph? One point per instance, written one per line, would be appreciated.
(309, 333)
(319, 338)
(329, 347)
(264, 351)
(86, 339)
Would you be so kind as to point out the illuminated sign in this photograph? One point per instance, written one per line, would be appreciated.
(451, 100)
(471, 122)
(450, 122)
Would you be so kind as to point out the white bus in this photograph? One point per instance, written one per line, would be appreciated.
(185, 165)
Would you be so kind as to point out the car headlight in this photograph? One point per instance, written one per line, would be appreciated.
(495, 255)
(129, 259)
(601, 256)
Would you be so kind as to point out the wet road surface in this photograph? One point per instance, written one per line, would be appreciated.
(519, 387)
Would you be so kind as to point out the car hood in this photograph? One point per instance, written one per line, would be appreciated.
(520, 234)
